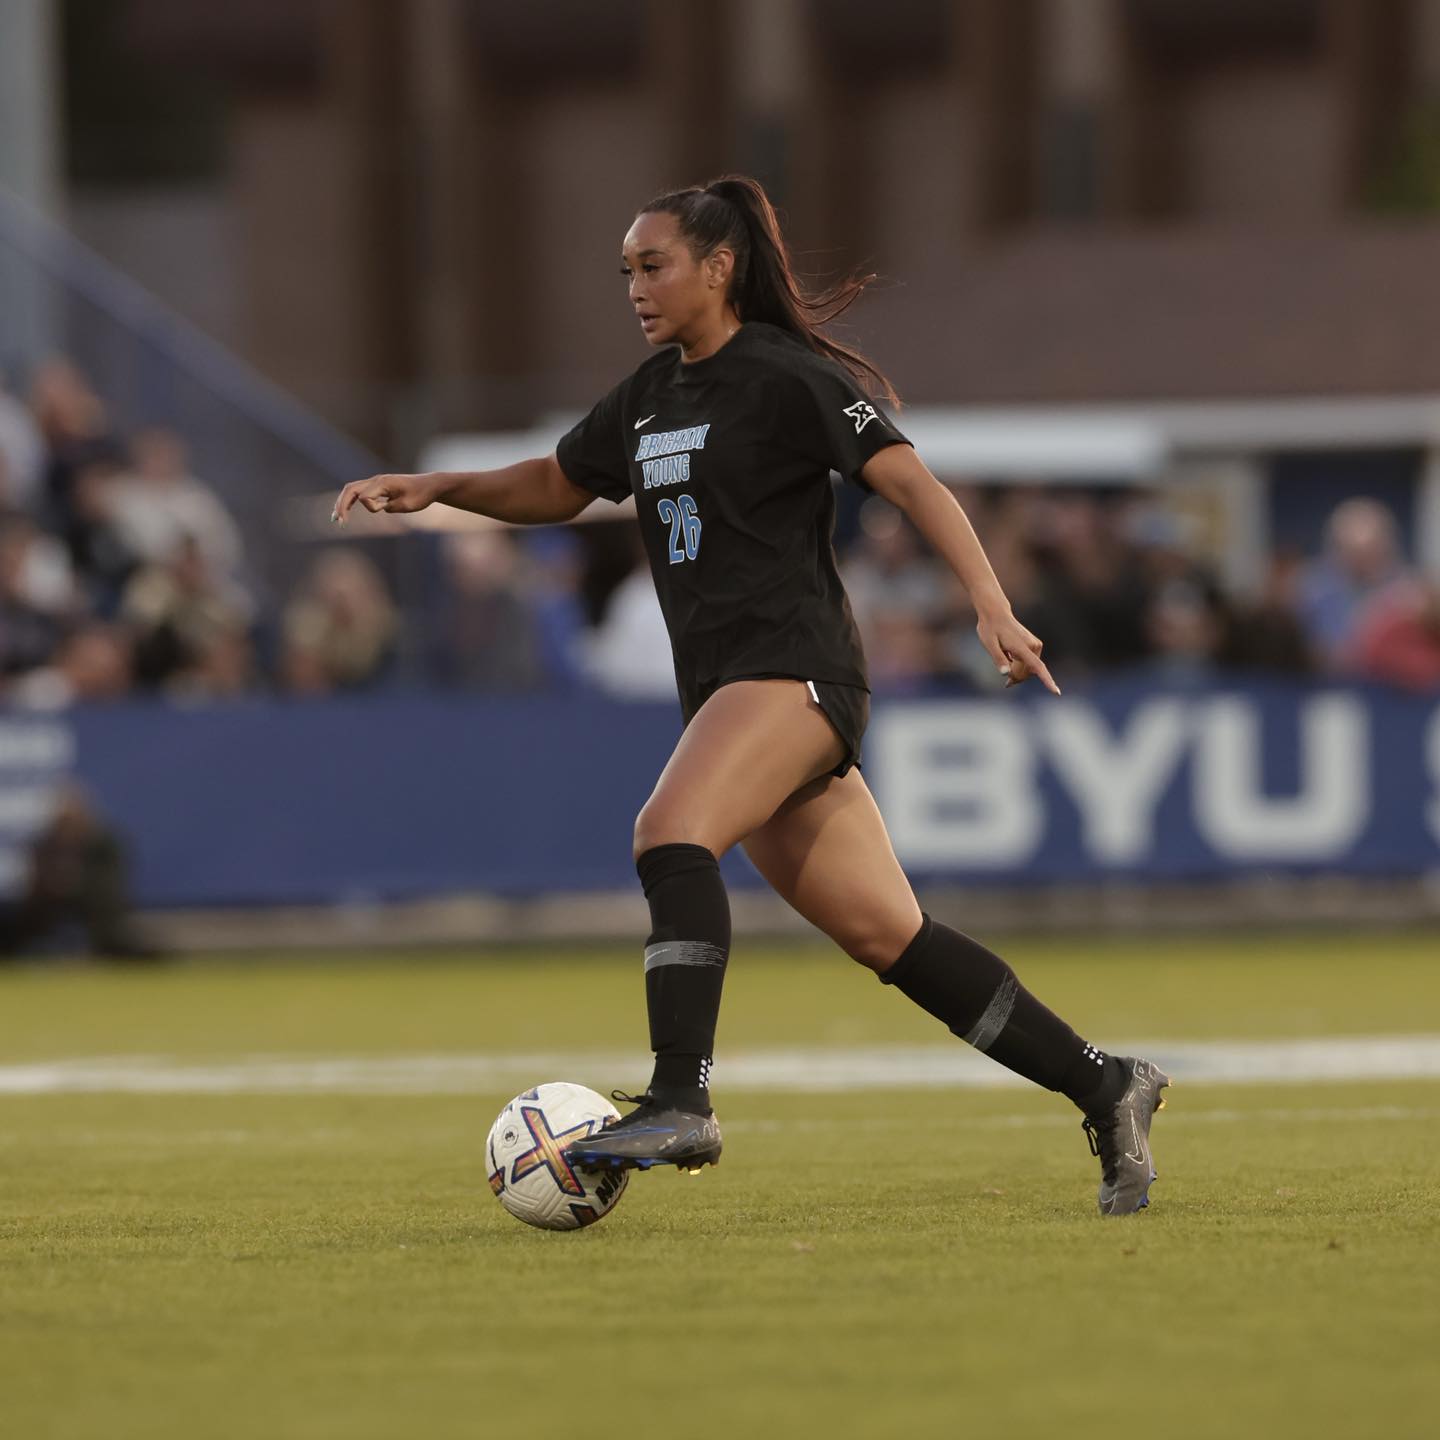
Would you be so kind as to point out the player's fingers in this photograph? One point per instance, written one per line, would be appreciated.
(343, 502)
(996, 651)
(374, 494)
(1038, 667)
(1029, 642)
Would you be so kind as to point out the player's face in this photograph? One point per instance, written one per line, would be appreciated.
(671, 291)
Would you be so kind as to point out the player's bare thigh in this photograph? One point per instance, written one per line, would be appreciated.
(827, 853)
(748, 747)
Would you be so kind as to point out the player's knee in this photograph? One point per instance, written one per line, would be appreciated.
(661, 822)
(872, 953)
(876, 947)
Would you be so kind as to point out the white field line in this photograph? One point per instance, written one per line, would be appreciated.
(814, 1071)
(1178, 1114)
(275, 1137)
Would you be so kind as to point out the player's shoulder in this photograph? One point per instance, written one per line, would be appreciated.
(651, 367)
(653, 364)
(785, 355)
(662, 362)
(782, 349)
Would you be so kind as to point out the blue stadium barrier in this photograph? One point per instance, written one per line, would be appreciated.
(394, 797)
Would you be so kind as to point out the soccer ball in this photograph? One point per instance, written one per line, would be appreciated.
(530, 1177)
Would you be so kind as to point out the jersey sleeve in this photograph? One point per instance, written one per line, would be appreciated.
(592, 452)
(841, 425)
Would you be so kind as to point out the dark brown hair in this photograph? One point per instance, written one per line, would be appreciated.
(735, 212)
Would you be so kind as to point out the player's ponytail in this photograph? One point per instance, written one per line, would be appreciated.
(735, 212)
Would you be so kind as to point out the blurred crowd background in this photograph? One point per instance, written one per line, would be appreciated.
(122, 573)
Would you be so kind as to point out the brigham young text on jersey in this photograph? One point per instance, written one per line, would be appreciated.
(671, 451)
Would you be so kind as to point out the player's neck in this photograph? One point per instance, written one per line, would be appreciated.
(715, 338)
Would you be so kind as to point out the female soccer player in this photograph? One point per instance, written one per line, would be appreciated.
(726, 437)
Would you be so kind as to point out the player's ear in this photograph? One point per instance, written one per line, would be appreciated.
(719, 267)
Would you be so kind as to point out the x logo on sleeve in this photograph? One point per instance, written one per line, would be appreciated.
(862, 413)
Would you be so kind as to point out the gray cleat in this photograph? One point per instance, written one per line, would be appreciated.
(1121, 1139)
(653, 1134)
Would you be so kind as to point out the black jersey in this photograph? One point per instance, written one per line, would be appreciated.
(729, 460)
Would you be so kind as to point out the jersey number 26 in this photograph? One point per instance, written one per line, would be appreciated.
(680, 515)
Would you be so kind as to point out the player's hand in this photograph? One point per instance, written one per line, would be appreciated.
(394, 494)
(1015, 651)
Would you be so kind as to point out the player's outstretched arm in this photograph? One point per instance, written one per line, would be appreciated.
(534, 492)
(899, 474)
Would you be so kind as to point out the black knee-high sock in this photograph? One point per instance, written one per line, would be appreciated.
(685, 960)
(980, 998)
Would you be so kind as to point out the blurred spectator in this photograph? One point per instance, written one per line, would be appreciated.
(1166, 543)
(1185, 627)
(76, 429)
(22, 455)
(1008, 523)
(1362, 560)
(627, 654)
(158, 505)
(93, 664)
(1186, 618)
(104, 561)
(186, 618)
(901, 651)
(889, 568)
(1266, 634)
(341, 628)
(556, 569)
(1398, 639)
(487, 633)
(37, 594)
(221, 666)
(898, 593)
(78, 877)
(65, 405)
(1090, 589)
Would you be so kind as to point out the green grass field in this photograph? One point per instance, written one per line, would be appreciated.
(866, 1263)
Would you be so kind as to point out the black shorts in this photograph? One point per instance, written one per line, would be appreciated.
(846, 707)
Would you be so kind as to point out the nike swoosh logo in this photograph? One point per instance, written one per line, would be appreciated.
(646, 420)
(1139, 1157)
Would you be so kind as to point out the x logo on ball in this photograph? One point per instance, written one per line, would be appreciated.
(547, 1150)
